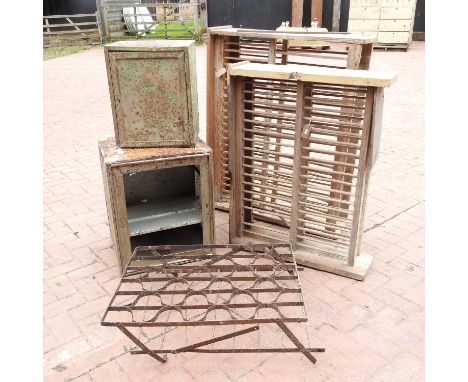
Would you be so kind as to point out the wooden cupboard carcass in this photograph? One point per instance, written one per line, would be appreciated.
(303, 141)
(157, 196)
(153, 92)
(227, 45)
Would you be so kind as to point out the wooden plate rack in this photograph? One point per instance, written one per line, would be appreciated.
(227, 45)
(302, 143)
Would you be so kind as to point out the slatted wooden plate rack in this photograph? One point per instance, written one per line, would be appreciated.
(228, 45)
(302, 143)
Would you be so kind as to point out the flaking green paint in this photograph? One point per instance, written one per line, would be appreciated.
(153, 93)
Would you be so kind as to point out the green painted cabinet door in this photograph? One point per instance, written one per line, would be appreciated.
(153, 93)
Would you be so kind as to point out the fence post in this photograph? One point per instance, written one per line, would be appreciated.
(104, 29)
(203, 15)
(336, 15)
(195, 19)
(317, 10)
(297, 13)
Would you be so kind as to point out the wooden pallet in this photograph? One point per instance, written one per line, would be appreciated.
(401, 47)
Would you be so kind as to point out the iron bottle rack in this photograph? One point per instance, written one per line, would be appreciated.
(245, 286)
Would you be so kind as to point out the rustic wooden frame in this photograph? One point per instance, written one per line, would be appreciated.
(179, 132)
(114, 27)
(61, 30)
(357, 112)
(116, 162)
(355, 51)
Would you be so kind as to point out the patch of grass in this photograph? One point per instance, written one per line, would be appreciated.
(60, 51)
(177, 30)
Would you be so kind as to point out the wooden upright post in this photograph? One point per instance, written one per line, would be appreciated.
(296, 13)
(102, 9)
(336, 15)
(316, 11)
(195, 20)
(203, 16)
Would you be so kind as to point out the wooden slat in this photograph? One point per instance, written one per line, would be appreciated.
(316, 11)
(79, 31)
(310, 36)
(296, 182)
(64, 25)
(314, 74)
(64, 16)
(296, 13)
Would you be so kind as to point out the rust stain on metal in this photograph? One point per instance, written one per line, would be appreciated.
(157, 195)
(153, 93)
(244, 285)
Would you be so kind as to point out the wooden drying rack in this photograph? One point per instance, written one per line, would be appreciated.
(227, 45)
(303, 141)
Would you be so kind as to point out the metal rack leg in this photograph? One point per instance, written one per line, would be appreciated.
(143, 347)
(296, 341)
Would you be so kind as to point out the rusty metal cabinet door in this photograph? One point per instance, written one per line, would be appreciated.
(153, 93)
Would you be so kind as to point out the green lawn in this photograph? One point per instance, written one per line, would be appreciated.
(49, 53)
(174, 30)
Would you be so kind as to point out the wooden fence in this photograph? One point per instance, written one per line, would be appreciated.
(63, 30)
(177, 20)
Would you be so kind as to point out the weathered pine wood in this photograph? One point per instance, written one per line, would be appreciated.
(296, 12)
(210, 92)
(336, 15)
(313, 74)
(345, 38)
(295, 197)
(47, 24)
(362, 180)
(296, 181)
(272, 51)
(204, 15)
(195, 21)
(316, 11)
(74, 25)
(112, 4)
(376, 127)
(354, 56)
(246, 44)
(235, 134)
(71, 33)
(248, 149)
(391, 22)
(217, 119)
(64, 16)
(117, 163)
(114, 27)
(358, 58)
(284, 52)
(339, 190)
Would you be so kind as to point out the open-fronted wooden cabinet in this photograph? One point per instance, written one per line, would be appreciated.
(303, 141)
(157, 196)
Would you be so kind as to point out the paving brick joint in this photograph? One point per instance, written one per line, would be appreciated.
(372, 330)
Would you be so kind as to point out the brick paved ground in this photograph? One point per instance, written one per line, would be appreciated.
(373, 330)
